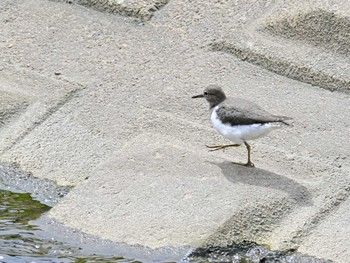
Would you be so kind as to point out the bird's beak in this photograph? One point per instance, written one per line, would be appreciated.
(198, 96)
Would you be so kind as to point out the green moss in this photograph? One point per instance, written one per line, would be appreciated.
(20, 208)
(19, 238)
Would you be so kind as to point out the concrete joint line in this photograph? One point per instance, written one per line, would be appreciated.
(51, 95)
(337, 199)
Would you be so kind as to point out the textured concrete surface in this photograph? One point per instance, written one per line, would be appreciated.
(10, 105)
(142, 9)
(186, 209)
(104, 104)
(274, 41)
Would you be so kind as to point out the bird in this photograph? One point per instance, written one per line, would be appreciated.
(239, 120)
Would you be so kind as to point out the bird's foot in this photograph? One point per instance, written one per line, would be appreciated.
(244, 164)
(219, 147)
(249, 164)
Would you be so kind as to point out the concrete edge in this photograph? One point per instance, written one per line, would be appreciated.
(140, 9)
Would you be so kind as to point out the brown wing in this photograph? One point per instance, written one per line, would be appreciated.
(243, 112)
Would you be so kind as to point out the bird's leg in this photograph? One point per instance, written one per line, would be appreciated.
(249, 163)
(219, 147)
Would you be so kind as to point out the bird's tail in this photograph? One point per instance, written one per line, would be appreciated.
(284, 119)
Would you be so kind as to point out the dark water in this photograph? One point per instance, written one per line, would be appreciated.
(26, 237)
(22, 241)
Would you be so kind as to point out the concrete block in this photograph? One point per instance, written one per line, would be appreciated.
(274, 39)
(158, 192)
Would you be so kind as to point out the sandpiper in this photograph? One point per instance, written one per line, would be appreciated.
(238, 120)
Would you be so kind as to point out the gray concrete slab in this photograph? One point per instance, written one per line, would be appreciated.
(106, 94)
(195, 195)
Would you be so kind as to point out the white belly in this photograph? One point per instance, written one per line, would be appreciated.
(240, 133)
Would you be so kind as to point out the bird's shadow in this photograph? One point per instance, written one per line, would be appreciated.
(236, 173)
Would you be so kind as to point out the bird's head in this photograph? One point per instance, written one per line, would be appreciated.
(213, 94)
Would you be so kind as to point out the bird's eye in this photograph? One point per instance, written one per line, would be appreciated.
(205, 93)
